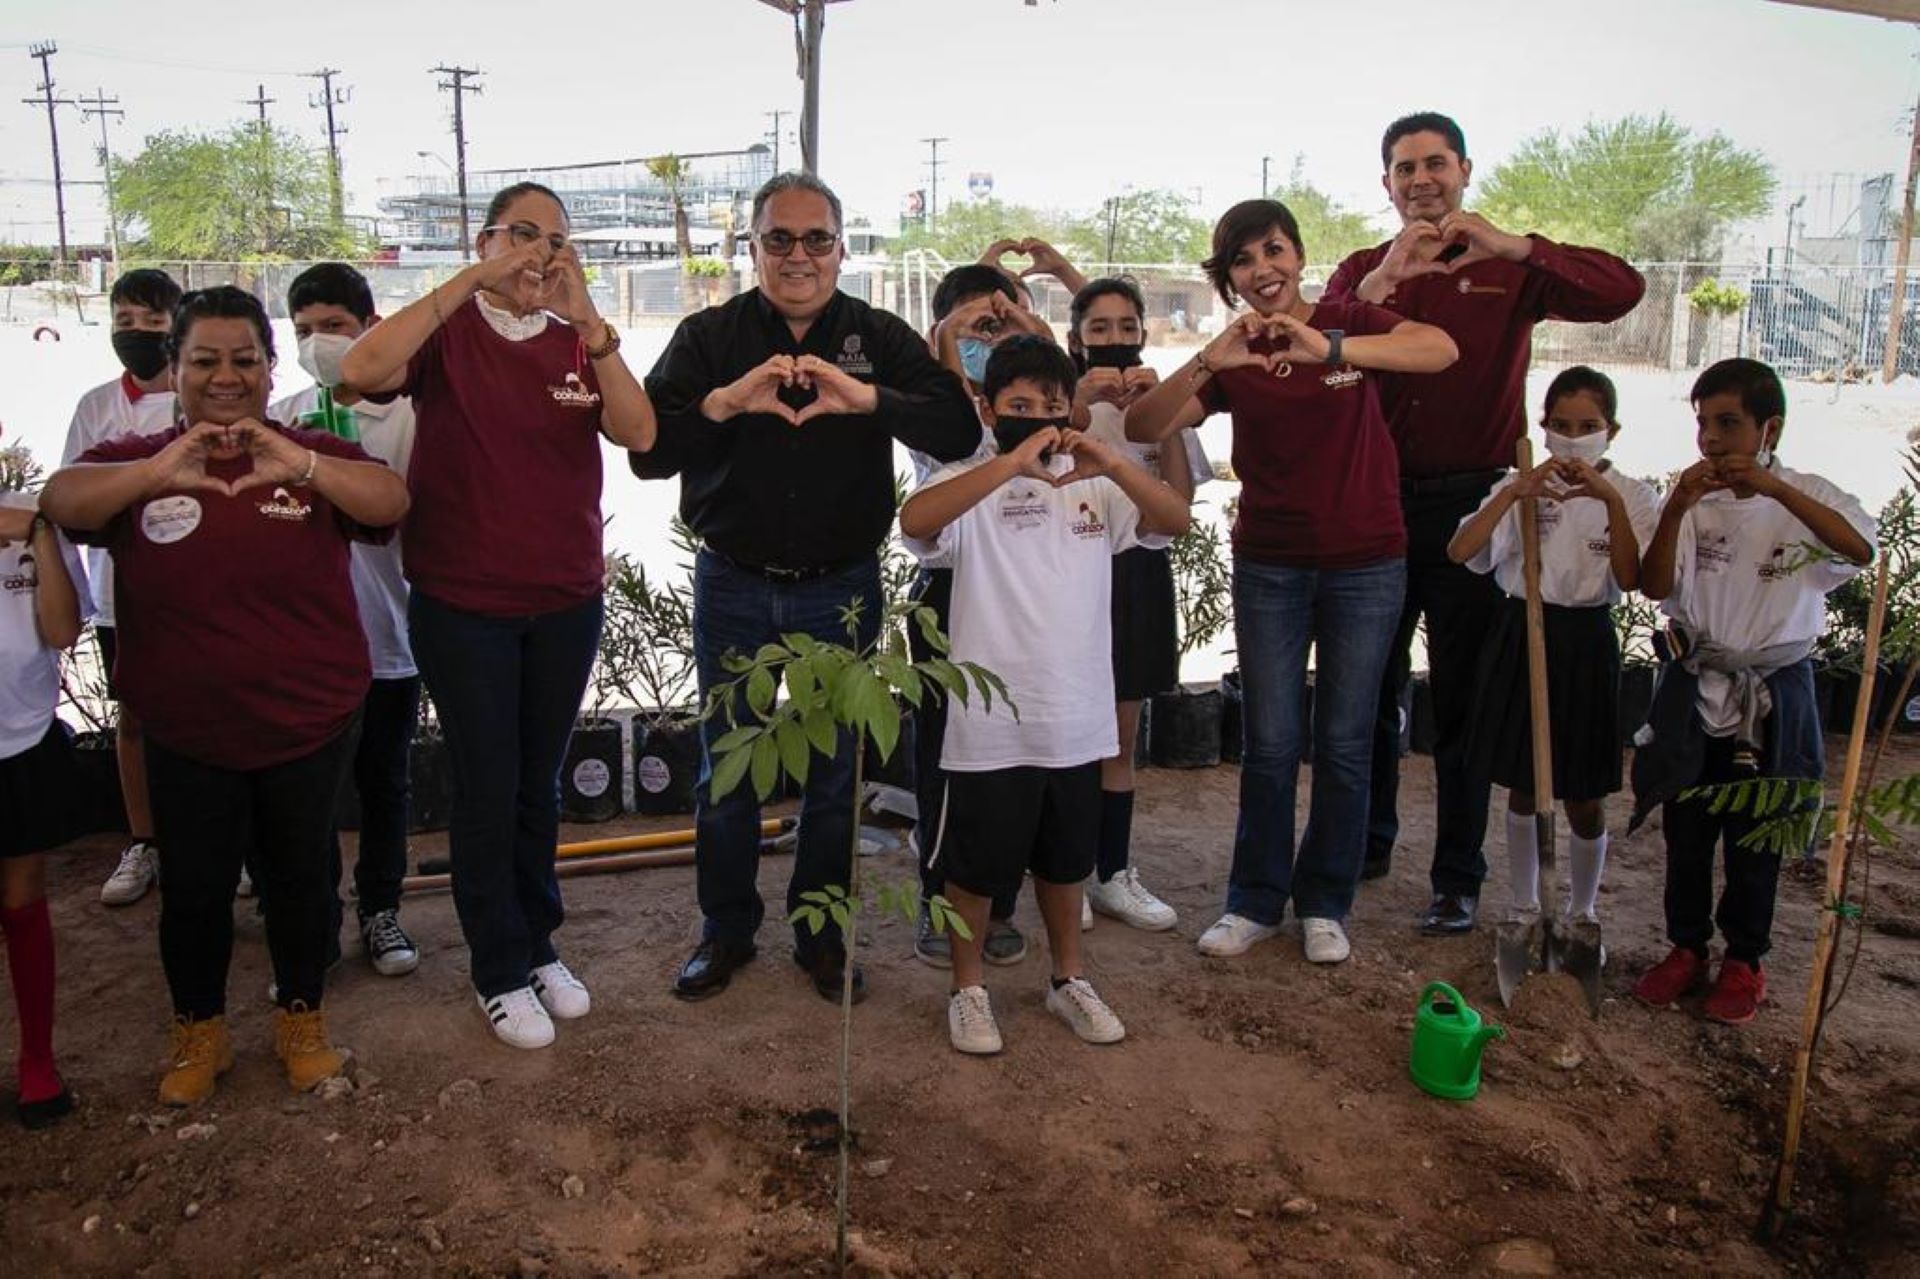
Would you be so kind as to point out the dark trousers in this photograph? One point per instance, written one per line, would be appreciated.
(387, 720)
(736, 610)
(934, 589)
(1745, 913)
(507, 690)
(1458, 605)
(208, 821)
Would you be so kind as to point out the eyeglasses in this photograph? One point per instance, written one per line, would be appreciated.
(818, 244)
(525, 233)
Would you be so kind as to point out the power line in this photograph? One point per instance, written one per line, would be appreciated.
(459, 87)
(330, 98)
(99, 107)
(44, 51)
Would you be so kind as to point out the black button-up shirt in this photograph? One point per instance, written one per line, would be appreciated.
(766, 493)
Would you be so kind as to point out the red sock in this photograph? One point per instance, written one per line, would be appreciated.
(30, 962)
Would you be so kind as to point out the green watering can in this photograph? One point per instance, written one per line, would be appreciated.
(1447, 1038)
(336, 419)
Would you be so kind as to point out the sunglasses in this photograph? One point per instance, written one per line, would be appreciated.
(779, 244)
(525, 233)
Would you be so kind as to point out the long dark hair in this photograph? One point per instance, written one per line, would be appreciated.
(221, 302)
(507, 195)
(1106, 286)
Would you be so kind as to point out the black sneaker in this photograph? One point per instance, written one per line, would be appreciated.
(389, 949)
(931, 946)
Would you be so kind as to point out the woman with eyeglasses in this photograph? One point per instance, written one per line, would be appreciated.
(514, 377)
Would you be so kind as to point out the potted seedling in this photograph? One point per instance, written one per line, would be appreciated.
(1183, 725)
(646, 659)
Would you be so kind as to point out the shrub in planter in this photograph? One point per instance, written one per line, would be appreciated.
(666, 762)
(646, 660)
(1183, 727)
(1186, 727)
(590, 773)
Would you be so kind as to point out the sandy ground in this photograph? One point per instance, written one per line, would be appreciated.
(1258, 1118)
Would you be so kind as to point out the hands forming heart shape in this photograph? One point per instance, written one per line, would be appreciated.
(183, 463)
(1043, 257)
(1562, 480)
(799, 388)
(1091, 459)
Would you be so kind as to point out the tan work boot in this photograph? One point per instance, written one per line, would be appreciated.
(300, 1040)
(200, 1054)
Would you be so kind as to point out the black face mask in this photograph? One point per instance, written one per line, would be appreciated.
(1114, 355)
(1009, 433)
(141, 352)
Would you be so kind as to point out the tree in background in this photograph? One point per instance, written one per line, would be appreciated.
(962, 231)
(1330, 231)
(672, 170)
(1156, 226)
(1642, 186)
(243, 195)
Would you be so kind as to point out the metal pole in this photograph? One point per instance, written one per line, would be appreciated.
(1265, 160)
(815, 16)
(45, 51)
(329, 99)
(460, 89)
(100, 106)
(1897, 309)
(777, 117)
(933, 193)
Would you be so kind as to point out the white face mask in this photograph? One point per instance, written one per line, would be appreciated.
(1578, 448)
(321, 354)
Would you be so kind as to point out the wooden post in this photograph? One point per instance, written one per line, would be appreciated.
(1897, 307)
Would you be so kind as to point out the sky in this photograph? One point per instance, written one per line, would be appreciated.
(1064, 102)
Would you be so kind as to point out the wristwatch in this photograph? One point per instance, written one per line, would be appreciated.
(1335, 337)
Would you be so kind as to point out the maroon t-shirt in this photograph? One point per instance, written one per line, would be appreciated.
(1320, 486)
(506, 469)
(240, 643)
(1467, 416)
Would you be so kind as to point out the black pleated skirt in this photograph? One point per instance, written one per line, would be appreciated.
(37, 808)
(1146, 645)
(1583, 701)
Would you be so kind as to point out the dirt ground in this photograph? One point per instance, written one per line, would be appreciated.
(1257, 1119)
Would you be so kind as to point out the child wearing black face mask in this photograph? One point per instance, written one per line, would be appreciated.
(1029, 543)
(138, 402)
(1108, 321)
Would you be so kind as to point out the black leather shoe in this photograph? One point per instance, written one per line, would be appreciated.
(826, 965)
(710, 967)
(1376, 867)
(1449, 913)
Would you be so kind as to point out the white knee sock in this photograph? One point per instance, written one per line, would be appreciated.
(1589, 858)
(1523, 861)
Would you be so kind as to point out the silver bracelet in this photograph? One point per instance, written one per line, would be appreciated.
(313, 460)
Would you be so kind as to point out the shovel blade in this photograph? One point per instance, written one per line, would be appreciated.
(1583, 958)
(1515, 944)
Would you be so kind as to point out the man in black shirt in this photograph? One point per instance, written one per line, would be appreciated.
(778, 411)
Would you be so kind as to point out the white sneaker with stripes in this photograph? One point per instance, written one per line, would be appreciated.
(561, 993)
(518, 1019)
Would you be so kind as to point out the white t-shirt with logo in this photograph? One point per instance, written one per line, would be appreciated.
(379, 584)
(1576, 545)
(104, 412)
(1108, 424)
(1032, 590)
(29, 670)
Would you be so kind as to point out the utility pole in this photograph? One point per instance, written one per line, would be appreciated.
(933, 193)
(45, 51)
(330, 98)
(459, 87)
(1897, 310)
(99, 107)
(1265, 160)
(777, 117)
(260, 102)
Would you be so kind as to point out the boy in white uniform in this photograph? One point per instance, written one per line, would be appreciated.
(332, 305)
(1744, 555)
(1030, 541)
(138, 402)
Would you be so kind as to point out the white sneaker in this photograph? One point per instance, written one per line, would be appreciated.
(1123, 898)
(1076, 1004)
(389, 949)
(245, 887)
(1086, 914)
(1234, 935)
(561, 993)
(1325, 940)
(518, 1019)
(970, 1023)
(139, 868)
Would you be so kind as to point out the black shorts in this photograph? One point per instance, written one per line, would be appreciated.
(1006, 822)
(109, 654)
(1146, 645)
(38, 796)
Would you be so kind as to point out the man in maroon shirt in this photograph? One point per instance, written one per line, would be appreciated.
(1455, 431)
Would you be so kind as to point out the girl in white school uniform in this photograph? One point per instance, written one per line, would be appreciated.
(1593, 522)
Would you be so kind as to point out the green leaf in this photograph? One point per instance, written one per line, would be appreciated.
(929, 621)
(948, 676)
(736, 738)
(881, 715)
(728, 769)
(760, 691)
(766, 765)
(842, 915)
(800, 642)
(812, 916)
(800, 684)
(816, 896)
(821, 730)
(770, 655)
(794, 754)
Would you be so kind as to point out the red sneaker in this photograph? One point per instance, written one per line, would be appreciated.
(1680, 973)
(1736, 993)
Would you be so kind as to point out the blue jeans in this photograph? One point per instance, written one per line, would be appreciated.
(1349, 616)
(736, 610)
(507, 690)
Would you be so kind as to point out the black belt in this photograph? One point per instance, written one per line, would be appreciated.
(784, 573)
(1453, 482)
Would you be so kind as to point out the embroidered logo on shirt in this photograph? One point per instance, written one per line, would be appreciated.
(1345, 375)
(851, 358)
(1468, 286)
(1088, 523)
(285, 506)
(1023, 508)
(574, 392)
(24, 577)
(168, 519)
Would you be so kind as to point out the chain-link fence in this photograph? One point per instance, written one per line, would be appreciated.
(1804, 320)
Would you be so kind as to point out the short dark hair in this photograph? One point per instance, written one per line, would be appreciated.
(331, 284)
(1247, 220)
(1578, 378)
(965, 283)
(794, 180)
(1105, 286)
(507, 195)
(149, 287)
(1422, 122)
(1028, 355)
(1758, 386)
(221, 302)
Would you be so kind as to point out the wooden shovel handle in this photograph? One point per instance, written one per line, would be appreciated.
(1536, 636)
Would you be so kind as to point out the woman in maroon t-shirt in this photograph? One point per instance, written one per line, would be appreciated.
(1319, 552)
(514, 378)
(241, 650)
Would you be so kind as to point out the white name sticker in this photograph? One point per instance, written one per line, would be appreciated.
(169, 519)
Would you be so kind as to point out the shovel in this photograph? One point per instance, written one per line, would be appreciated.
(1543, 940)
